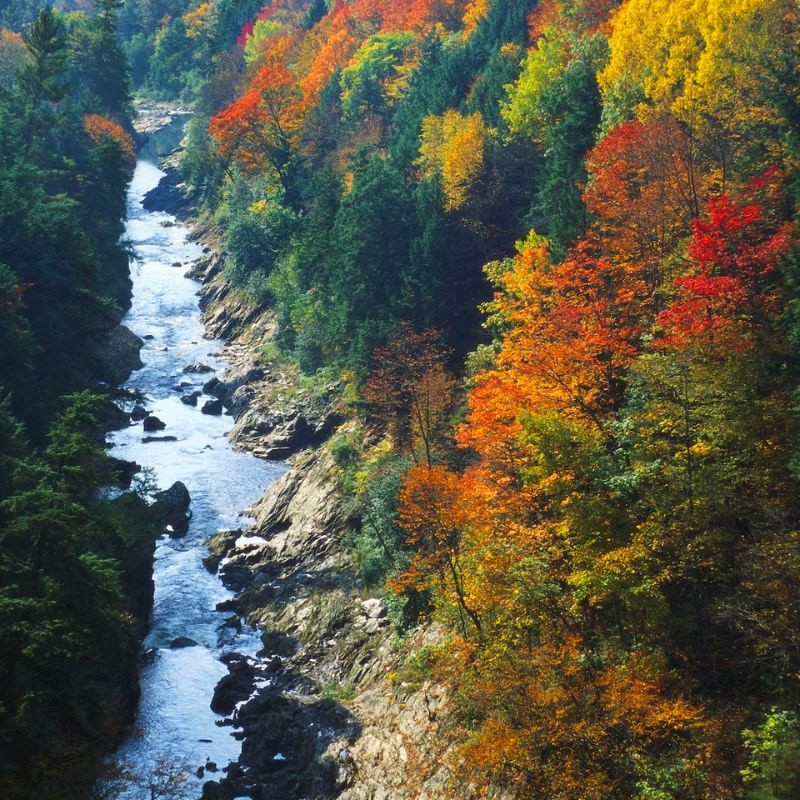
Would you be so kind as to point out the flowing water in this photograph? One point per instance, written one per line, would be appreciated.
(174, 723)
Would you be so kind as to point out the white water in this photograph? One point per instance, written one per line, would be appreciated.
(174, 716)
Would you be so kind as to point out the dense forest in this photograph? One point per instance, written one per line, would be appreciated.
(70, 615)
(550, 248)
(596, 490)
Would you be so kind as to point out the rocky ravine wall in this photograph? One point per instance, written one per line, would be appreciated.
(322, 713)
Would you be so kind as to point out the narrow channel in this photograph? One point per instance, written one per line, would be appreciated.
(175, 724)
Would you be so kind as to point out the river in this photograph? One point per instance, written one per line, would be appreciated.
(174, 724)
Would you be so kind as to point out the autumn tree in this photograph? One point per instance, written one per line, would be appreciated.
(453, 145)
(257, 129)
(409, 389)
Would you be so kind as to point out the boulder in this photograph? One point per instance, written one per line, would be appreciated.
(138, 413)
(211, 563)
(152, 424)
(235, 577)
(117, 354)
(197, 368)
(148, 439)
(237, 685)
(124, 471)
(182, 642)
(212, 791)
(190, 399)
(173, 507)
(212, 386)
(213, 407)
(171, 195)
(111, 417)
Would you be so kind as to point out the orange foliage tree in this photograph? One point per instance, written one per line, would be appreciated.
(99, 128)
(257, 129)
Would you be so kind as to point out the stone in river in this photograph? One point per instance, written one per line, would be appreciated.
(153, 424)
(190, 399)
(173, 506)
(212, 791)
(148, 439)
(212, 407)
(197, 368)
(182, 641)
(139, 413)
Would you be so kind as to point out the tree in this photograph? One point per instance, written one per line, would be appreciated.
(453, 145)
(409, 390)
(257, 129)
(42, 79)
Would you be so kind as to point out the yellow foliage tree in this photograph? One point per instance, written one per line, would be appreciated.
(718, 66)
(454, 146)
(198, 22)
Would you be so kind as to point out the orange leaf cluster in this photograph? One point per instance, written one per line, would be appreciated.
(99, 128)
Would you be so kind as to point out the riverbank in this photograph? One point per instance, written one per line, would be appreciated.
(330, 707)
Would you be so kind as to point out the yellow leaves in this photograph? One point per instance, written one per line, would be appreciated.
(198, 22)
(700, 449)
(453, 145)
(653, 45)
(259, 207)
(262, 42)
(376, 455)
(542, 69)
(13, 54)
(710, 63)
(476, 10)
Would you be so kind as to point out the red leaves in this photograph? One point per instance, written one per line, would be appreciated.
(247, 29)
(410, 391)
(730, 290)
(643, 191)
(576, 326)
(257, 127)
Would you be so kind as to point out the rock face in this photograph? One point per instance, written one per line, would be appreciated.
(152, 117)
(318, 714)
(173, 504)
(198, 368)
(171, 195)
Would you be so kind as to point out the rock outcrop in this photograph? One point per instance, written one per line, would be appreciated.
(172, 505)
(116, 355)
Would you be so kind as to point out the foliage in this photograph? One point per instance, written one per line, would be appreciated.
(71, 564)
(771, 772)
(611, 534)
